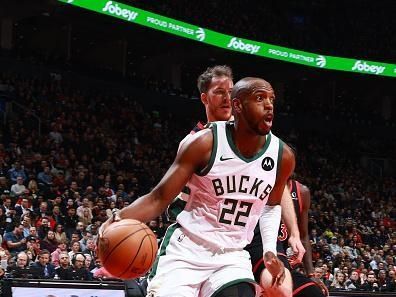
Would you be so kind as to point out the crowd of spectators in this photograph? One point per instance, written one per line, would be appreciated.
(97, 152)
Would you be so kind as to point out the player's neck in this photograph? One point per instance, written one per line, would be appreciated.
(247, 142)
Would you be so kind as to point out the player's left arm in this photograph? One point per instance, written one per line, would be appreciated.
(303, 227)
(270, 217)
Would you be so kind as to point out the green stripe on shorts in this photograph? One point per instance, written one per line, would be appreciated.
(165, 242)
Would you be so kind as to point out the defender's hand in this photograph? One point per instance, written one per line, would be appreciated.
(298, 250)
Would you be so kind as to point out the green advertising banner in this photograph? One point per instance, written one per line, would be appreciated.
(182, 29)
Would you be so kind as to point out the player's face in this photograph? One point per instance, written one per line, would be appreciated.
(258, 108)
(218, 100)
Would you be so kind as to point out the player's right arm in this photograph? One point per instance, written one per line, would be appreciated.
(193, 155)
(290, 219)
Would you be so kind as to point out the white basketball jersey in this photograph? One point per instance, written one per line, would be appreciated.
(228, 196)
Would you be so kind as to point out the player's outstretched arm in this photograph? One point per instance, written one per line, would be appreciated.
(303, 227)
(192, 156)
(270, 218)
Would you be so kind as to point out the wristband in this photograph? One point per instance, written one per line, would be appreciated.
(269, 225)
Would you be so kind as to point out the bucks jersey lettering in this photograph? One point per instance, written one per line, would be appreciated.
(227, 197)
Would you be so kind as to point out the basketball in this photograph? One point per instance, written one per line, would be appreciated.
(127, 249)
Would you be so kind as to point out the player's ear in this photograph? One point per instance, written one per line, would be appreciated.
(236, 105)
(204, 98)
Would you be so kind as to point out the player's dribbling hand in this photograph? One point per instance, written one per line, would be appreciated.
(275, 267)
(115, 217)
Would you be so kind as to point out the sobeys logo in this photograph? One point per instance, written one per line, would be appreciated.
(365, 67)
(116, 10)
(246, 47)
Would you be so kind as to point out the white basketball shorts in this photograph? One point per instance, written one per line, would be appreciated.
(184, 268)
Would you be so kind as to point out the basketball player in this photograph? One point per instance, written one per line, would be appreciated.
(303, 285)
(236, 172)
(215, 85)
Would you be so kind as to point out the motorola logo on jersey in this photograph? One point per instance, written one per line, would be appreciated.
(268, 164)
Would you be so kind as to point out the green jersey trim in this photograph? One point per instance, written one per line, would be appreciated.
(204, 171)
(236, 151)
(280, 155)
(165, 242)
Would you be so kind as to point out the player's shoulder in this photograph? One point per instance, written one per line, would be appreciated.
(198, 127)
(302, 186)
(287, 153)
(200, 138)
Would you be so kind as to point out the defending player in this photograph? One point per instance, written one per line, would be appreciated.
(303, 285)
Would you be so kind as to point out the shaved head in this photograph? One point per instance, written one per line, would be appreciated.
(248, 85)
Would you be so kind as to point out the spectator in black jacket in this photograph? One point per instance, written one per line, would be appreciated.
(371, 285)
(46, 268)
(64, 265)
(77, 271)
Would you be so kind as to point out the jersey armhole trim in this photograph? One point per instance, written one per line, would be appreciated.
(209, 166)
(280, 155)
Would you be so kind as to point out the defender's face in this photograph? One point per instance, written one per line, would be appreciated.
(218, 99)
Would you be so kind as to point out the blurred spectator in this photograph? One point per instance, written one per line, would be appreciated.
(22, 261)
(338, 283)
(23, 208)
(43, 263)
(58, 216)
(49, 242)
(75, 248)
(60, 234)
(102, 274)
(15, 241)
(85, 236)
(26, 222)
(44, 227)
(89, 264)
(371, 284)
(61, 248)
(335, 249)
(353, 283)
(17, 175)
(33, 247)
(77, 270)
(18, 188)
(63, 265)
(90, 249)
(71, 220)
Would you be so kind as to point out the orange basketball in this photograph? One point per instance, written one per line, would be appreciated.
(127, 249)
